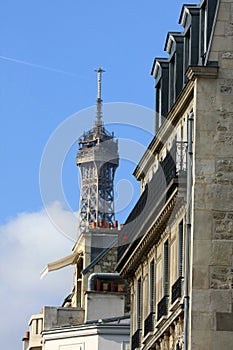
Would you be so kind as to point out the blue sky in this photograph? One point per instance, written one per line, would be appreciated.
(48, 53)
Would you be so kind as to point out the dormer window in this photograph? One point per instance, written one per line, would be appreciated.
(207, 13)
(175, 48)
(203, 31)
(186, 53)
(172, 75)
(160, 73)
(159, 105)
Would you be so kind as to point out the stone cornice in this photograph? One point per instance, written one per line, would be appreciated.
(76, 331)
(208, 72)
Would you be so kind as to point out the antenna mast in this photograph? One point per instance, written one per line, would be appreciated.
(98, 121)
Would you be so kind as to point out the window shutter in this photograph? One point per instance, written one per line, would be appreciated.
(180, 248)
(139, 304)
(152, 285)
(165, 268)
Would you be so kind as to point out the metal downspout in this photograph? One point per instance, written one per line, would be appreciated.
(188, 232)
(103, 275)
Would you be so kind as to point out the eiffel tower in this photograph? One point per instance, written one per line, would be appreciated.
(97, 159)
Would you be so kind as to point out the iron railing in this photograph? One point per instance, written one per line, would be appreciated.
(177, 289)
(149, 323)
(162, 307)
(136, 339)
(157, 191)
(181, 157)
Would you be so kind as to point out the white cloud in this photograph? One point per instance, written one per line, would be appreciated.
(28, 243)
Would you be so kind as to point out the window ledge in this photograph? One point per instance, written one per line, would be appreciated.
(148, 336)
(161, 321)
(175, 305)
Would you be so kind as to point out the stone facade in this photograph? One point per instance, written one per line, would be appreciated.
(189, 305)
(95, 252)
(107, 263)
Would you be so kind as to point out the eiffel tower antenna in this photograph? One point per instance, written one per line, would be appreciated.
(98, 120)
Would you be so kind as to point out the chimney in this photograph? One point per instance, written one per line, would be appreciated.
(108, 225)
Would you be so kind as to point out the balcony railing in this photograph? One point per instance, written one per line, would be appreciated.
(157, 191)
(177, 289)
(162, 307)
(181, 157)
(149, 323)
(136, 340)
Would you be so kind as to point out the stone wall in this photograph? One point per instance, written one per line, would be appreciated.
(212, 225)
(60, 317)
(107, 264)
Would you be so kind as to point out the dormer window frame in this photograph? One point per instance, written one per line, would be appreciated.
(207, 19)
(203, 29)
(158, 105)
(172, 79)
(171, 49)
(175, 48)
(160, 73)
(187, 49)
(189, 19)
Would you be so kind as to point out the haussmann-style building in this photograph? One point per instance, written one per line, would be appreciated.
(176, 247)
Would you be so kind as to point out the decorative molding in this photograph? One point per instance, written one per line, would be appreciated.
(208, 72)
(171, 320)
(148, 238)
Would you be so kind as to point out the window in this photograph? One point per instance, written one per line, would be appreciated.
(162, 306)
(203, 31)
(158, 121)
(166, 269)
(176, 290)
(160, 107)
(150, 175)
(186, 54)
(139, 303)
(172, 81)
(152, 285)
(162, 92)
(180, 248)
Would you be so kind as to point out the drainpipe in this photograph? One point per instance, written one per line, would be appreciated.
(188, 232)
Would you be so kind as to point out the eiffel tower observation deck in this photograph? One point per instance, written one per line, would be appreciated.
(97, 159)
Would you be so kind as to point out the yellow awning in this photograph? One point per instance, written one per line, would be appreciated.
(59, 264)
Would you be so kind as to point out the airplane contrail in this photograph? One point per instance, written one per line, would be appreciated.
(36, 65)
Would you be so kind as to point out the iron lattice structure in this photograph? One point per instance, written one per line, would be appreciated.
(97, 160)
